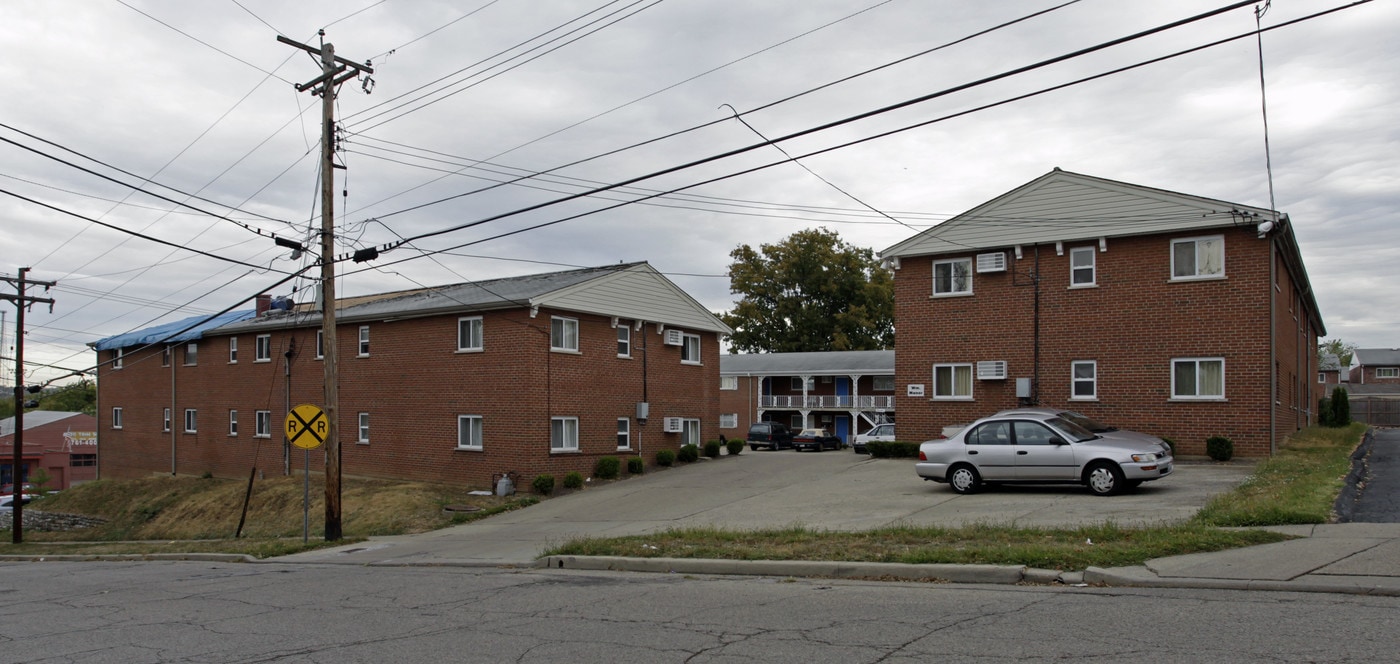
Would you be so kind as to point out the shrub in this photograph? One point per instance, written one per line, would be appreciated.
(1220, 448)
(688, 453)
(607, 468)
(635, 465)
(1324, 412)
(573, 480)
(1341, 408)
(892, 450)
(543, 484)
(712, 449)
(734, 447)
(665, 457)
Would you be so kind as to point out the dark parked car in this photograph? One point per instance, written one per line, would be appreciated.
(816, 440)
(772, 435)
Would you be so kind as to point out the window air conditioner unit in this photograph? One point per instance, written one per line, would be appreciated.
(671, 425)
(991, 370)
(994, 262)
(674, 338)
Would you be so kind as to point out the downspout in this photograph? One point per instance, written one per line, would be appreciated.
(646, 341)
(1273, 345)
(172, 409)
(1035, 380)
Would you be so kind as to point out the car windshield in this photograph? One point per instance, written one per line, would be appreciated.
(1077, 434)
(1086, 422)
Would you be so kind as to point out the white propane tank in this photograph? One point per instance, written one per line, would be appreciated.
(505, 487)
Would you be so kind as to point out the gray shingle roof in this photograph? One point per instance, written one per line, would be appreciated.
(1378, 357)
(862, 362)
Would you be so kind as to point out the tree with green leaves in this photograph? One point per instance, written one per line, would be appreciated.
(810, 292)
(1343, 350)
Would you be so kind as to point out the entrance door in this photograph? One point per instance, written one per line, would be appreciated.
(843, 428)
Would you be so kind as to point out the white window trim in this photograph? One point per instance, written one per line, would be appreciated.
(1093, 267)
(954, 366)
(362, 429)
(117, 355)
(480, 325)
(363, 348)
(232, 423)
(117, 418)
(233, 350)
(685, 345)
(565, 324)
(195, 355)
(689, 424)
(876, 380)
(262, 424)
(165, 356)
(624, 428)
(479, 430)
(262, 348)
(166, 422)
(952, 293)
(729, 420)
(1390, 372)
(1198, 276)
(566, 445)
(1075, 380)
(320, 344)
(191, 420)
(624, 331)
(728, 382)
(1197, 361)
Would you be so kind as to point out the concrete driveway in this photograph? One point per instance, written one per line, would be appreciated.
(829, 490)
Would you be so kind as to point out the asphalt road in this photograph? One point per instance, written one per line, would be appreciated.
(1378, 501)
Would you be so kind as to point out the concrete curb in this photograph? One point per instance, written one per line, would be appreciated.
(1141, 577)
(994, 574)
(120, 557)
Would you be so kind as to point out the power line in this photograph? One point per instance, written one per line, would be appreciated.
(205, 43)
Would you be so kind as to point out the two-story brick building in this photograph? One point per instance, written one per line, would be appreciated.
(63, 444)
(535, 374)
(1173, 314)
(844, 391)
(1376, 366)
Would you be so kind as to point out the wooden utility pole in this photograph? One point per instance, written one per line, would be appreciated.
(22, 302)
(333, 73)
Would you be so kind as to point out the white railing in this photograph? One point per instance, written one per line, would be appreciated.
(798, 402)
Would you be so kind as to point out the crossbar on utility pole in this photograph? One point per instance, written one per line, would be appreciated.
(332, 75)
(23, 302)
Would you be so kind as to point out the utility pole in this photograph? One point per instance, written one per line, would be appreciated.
(333, 73)
(22, 301)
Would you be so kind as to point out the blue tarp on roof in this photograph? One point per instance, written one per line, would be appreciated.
(162, 333)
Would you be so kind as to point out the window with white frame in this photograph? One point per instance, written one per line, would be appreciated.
(233, 423)
(563, 434)
(690, 349)
(797, 383)
(262, 348)
(952, 381)
(728, 382)
(233, 350)
(117, 354)
(1081, 267)
(469, 331)
(624, 433)
(320, 344)
(364, 341)
(1387, 372)
(1321, 377)
(690, 432)
(1198, 378)
(116, 418)
(883, 383)
(364, 429)
(191, 354)
(563, 334)
(469, 432)
(165, 420)
(1198, 258)
(165, 356)
(624, 341)
(952, 277)
(795, 422)
(729, 420)
(262, 424)
(191, 420)
(1084, 379)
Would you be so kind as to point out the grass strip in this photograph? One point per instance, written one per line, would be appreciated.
(1297, 485)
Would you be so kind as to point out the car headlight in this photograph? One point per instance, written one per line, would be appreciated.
(1145, 458)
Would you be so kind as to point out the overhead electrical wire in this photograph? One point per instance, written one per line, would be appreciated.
(204, 43)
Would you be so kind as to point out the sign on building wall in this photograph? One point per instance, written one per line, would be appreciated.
(71, 438)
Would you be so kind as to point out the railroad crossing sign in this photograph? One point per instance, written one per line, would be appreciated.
(307, 426)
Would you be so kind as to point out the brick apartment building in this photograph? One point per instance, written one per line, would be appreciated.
(847, 392)
(1172, 314)
(64, 444)
(1329, 372)
(1376, 366)
(533, 374)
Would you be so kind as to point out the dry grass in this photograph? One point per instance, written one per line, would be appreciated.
(1297, 485)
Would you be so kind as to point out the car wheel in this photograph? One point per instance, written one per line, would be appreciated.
(964, 479)
(1104, 479)
(753, 448)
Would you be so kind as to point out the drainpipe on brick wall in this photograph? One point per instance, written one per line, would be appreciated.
(1035, 372)
(1273, 345)
(172, 410)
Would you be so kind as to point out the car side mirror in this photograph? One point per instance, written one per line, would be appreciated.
(1056, 440)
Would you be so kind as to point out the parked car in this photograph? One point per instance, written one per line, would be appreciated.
(9, 488)
(1087, 422)
(1035, 447)
(816, 440)
(883, 433)
(7, 502)
(772, 435)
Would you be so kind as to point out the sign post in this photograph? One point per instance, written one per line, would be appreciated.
(307, 427)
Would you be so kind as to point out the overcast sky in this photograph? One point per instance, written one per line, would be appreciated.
(199, 97)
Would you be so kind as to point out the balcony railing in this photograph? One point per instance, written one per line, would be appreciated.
(814, 402)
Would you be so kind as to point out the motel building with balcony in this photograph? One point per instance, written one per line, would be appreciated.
(847, 392)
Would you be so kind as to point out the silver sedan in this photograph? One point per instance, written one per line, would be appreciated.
(1042, 448)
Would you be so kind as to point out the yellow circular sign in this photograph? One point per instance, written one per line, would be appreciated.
(307, 426)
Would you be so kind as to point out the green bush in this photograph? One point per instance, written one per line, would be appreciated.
(712, 449)
(892, 450)
(688, 453)
(734, 447)
(635, 465)
(543, 484)
(607, 468)
(665, 457)
(1220, 448)
(573, 480)
(1324, 412)
(1341, 408)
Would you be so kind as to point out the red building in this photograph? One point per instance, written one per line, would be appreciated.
(537, 374)
(63, 444)
(1172, 314)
